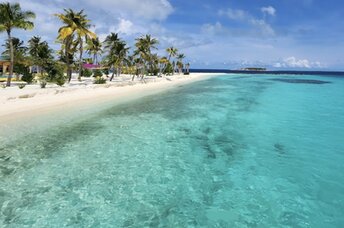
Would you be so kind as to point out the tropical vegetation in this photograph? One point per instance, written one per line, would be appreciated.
(112, 57)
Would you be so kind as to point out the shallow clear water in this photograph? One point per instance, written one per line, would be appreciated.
(232, 151)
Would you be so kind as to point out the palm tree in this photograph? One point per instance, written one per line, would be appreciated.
(117, 57)
(187, 68)
(180, 64)
(116, 52)
(162, 65)
(141, 56)
(76, 25)
(19, 53)
(144, 46)
(130, 64)
(172, 52)
(34, 45)
(11, 16)
(154, 67)
(111, 41)
(94, 48)
(19, 50)
(34, 49)
(40, 53)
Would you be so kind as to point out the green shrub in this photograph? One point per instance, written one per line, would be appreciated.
(169, 69)
(60, 81)
(86, 73)
(97, 73)
(154, 71)
(55, 73)
(106, 71)
(21, 86)
(25, 72)
(42, 84)
(27, 77)
(99, 80)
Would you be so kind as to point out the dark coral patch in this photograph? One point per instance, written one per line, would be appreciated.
(299, 81)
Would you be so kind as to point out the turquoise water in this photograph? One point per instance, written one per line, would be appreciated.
(232, 151)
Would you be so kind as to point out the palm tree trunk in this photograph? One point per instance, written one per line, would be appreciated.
(113, 73)
(69, 69)
(143, 73)
(80, 59)
(173, 67)
(118, 73)
(160, 69)
(169, 58)
(9, 77)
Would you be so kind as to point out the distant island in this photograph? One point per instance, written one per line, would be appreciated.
(253, 69)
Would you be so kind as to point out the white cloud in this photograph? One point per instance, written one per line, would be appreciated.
(213, 29)
(292, 62)
(146, 9)
(125, 26)
(262, 27)
(235, 14)
(269, 10)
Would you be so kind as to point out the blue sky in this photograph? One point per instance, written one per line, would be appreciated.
(277, 34)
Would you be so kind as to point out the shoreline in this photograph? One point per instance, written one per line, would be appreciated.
(32, 101)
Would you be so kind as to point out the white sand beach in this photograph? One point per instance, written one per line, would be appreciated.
(18, 103)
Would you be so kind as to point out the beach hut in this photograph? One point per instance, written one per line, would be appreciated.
(4, 66)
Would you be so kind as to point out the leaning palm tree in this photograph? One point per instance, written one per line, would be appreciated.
(172, 52)
(11, 16)
(76, 25)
